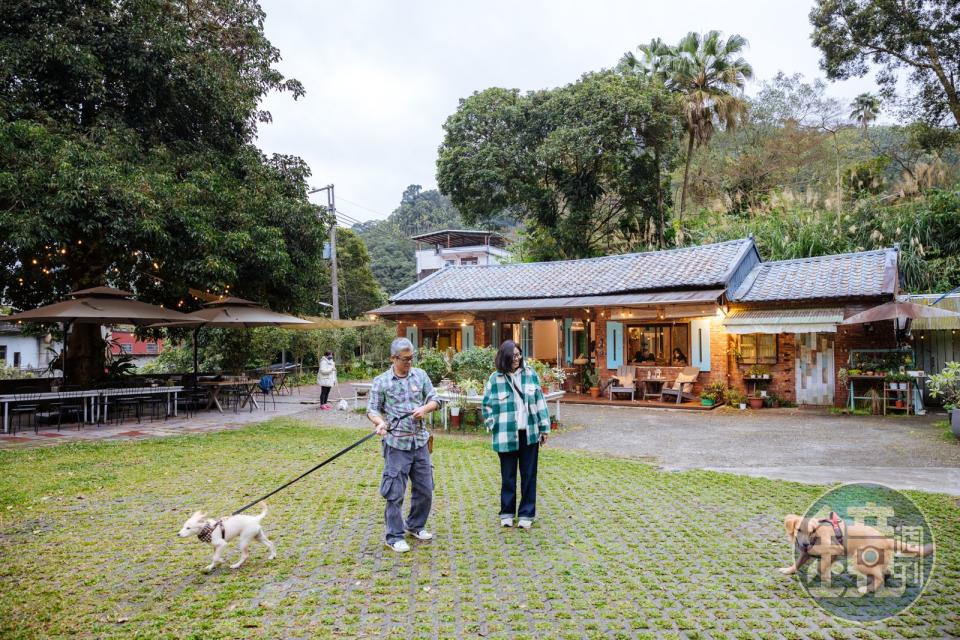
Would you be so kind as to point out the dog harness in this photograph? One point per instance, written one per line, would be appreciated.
(834, 521)
(206, 534)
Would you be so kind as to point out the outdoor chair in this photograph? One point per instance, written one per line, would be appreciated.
(126, 406)
(156, 404)
(26, 404)
(68, 406)
(280, 383)
(682, 388)
(625, 382)
(266, 388)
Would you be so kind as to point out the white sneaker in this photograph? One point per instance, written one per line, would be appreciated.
(400, 546)
(506, 522)
(524, 523)
(423, 534)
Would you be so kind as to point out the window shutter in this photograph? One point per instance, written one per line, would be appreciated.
(526, 339)
(495, 336)
(568, 341)
(614, 344)
(412, 336)
(468, 337)
(700, 343)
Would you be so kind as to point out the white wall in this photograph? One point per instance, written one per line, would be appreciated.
(33, 351)
(430, 259)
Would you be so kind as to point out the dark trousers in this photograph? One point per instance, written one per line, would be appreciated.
(526, 460)
(398, 466)
(324, 394)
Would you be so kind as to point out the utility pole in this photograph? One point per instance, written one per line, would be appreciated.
(332, 209)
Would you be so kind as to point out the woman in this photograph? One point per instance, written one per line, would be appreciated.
(326, 378)
(515, 410)
(679, 358)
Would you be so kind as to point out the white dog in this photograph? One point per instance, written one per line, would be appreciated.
(220, 532)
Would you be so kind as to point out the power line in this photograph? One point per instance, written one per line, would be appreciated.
(363, 207)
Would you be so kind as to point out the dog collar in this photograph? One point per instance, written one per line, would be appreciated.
(206, 534)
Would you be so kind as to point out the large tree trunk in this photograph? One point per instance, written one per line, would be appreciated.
(683, 193)
(85, 355)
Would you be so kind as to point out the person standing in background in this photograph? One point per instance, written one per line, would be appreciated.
(326, 378)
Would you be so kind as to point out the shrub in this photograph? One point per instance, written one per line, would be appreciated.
(434, 363)
(476, 363)
(946, 385)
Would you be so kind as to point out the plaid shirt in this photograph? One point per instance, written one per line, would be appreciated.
(391, 396)
(500, 410)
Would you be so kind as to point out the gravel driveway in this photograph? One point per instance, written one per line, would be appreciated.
(790, 444)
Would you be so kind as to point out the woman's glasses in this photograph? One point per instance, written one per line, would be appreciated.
(518, 356)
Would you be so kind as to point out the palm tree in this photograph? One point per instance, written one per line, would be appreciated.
(708, 74)
(866, 107)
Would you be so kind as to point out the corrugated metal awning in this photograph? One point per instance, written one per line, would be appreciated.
(784, 321)
(950, 303)
(710, 296)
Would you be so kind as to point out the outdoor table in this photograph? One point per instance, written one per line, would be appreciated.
(446, 398)
(93, 400)
(214, 387)
(101, 398)
(360, 389)
(655, 383)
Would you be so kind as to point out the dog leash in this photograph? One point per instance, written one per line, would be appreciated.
(396, 422)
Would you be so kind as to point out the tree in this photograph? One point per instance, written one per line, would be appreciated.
(126, 158)
(922, 36)
(359, 291)
(583, 162)
(393, 258)
(864, 109)
(709, 74)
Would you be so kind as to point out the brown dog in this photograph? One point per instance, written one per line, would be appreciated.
(871, 552)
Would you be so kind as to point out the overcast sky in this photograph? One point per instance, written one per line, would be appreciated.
(383, 76)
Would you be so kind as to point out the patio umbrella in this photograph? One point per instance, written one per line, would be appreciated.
(899, 310)
(317, 322)
(236, 313)
(99, 305)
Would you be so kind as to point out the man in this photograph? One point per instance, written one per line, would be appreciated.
(404, 389)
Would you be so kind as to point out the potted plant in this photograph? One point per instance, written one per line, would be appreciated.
(843, 376)
(559, 376)
(946, 385)
(736, 397)
(708, 398)
(554, 423)
(542, 369)
(591, 382)
(756, 402)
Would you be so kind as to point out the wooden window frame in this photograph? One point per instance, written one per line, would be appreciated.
(757, 359)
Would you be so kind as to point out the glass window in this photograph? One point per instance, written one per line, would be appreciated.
(758, 348)
(16, 358)
(659, 344)
(151, 347)
(468, 261)
(441, 339)
(126, 348)
(3, 353)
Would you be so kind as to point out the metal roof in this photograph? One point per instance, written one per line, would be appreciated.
(461, 238)
(632, 299)
(866, 274)
(705, 267)
(784, 320)
(950, 303)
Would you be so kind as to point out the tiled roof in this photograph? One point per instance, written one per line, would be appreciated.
(847, 275)
(687, 268)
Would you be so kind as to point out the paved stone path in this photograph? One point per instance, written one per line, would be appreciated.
(790, 444)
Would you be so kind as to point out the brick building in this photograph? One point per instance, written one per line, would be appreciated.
(717, 307)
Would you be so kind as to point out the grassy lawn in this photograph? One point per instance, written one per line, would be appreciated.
(88, 548)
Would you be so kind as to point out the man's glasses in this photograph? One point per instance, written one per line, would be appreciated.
(404, 359)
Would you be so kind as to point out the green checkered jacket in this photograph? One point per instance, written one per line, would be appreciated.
(500, 410)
